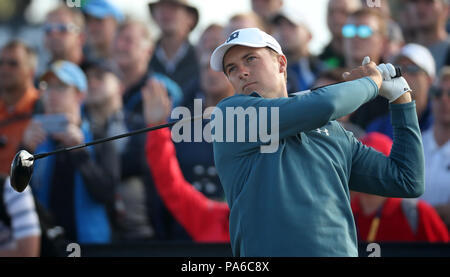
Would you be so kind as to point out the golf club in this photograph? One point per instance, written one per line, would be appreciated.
(22, 164)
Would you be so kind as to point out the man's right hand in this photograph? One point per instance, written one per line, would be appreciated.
(393, 88)
(367, 69)
(33, 136)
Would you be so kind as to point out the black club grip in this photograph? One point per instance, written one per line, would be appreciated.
(398, 72)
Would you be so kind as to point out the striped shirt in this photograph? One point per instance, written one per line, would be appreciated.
(24, 219)
(437, 170)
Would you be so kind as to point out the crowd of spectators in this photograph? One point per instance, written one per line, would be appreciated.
(103, 74)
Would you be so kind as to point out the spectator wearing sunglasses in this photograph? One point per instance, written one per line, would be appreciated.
(337, 14)
(365, 34)
(418, 68)
(395, 38)
(75, 187)
(64, 36)
(426, 21)
(436, 144)
(18, 98)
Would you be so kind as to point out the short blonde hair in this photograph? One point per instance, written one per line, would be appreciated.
(77, 16)
(145, 31)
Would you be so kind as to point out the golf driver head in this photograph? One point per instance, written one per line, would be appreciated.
(21, 170)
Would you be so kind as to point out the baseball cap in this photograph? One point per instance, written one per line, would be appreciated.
(68, 73)
(250, 37)
(419, 55)
(102, 9)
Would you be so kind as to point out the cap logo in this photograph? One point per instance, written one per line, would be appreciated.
(233, 36)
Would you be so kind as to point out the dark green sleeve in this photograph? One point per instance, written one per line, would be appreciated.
(309, 111)
(402, 174)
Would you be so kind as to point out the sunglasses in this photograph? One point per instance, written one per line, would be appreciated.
(10, 63)
(438, 92)
(61, 88)
(362, 31)
(61, 28)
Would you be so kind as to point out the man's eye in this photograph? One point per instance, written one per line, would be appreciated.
(231, 69)
(251, 58)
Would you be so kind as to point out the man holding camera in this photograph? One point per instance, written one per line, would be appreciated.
(73, 186)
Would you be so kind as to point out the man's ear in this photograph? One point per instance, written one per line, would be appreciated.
(147, 51)
(81, 96)
(83, 37)
(310, 36)
(430, 80)
(283, 63)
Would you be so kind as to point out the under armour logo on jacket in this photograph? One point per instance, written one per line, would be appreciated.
(325, 131)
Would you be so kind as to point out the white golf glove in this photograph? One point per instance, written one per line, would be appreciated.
(391, 88)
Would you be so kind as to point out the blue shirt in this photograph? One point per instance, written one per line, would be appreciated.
(296, 201)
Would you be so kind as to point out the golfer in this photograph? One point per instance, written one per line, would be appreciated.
(296, 201)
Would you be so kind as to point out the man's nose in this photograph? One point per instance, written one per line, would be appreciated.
(243, 72)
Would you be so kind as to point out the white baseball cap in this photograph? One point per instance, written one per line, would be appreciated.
(421, 56)
(250, 37)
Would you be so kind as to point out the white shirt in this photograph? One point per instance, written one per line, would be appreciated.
(24, 219)
(437, 170)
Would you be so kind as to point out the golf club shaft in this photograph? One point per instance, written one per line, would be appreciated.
(136, 132)
(398, 73)
(148, 129)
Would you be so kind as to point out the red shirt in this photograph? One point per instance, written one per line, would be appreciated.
(394, 225)
(204, 219)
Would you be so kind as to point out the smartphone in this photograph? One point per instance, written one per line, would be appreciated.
(52, 123)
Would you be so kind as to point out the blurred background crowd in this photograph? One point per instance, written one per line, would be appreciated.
(89, 70)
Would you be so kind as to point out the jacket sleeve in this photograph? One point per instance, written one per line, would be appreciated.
(296, 114)
(402, 174)
(204, 219)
